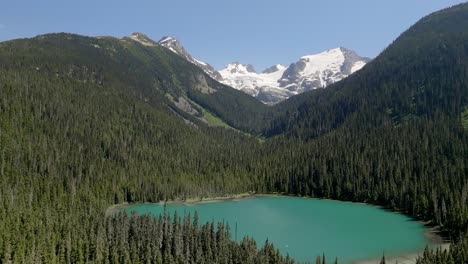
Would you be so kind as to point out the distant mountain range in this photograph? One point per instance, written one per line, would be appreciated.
(278, 82)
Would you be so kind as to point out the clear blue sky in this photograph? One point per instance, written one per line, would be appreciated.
(260, 32)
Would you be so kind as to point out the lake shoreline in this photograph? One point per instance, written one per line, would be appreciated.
(432, 233)
(405, 258)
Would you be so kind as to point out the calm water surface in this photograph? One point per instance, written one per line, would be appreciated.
(306, 228)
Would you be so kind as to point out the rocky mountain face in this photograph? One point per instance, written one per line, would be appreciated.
(143, 39)
(175, 46)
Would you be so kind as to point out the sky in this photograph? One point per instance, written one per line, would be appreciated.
(259, 32)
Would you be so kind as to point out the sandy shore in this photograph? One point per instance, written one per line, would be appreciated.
(409, 258)
(432, 234)
(237, 197)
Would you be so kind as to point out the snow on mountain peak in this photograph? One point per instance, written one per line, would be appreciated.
(279, 82)
(275, 68)
(264, 85)
(327, 53)
(320, 70)
(239, 68)
(166, 39)
(317, 64)
(173, 45)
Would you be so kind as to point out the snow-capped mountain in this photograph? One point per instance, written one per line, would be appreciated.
(321, 70)
(263, 86)
(175, 46)
(278, 83)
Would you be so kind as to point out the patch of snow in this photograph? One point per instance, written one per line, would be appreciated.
(142, 39)
(275, 75)
(165, 39)
(174, 45)
(357, 66)
(200, 62)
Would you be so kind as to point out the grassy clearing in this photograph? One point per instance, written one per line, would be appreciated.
(215, 121)
(218, 122)
(210, 118)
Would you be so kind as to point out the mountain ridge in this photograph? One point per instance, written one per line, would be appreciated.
(307, 73)
(175, 46)
(87, 123)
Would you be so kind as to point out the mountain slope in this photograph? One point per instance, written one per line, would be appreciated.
(422, 75)
(86, 123)
(139, 67)
(389, 133)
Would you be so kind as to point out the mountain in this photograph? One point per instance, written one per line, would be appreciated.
(264, 86)
(143, 39)
(201, 97)
(320, 70)
(141, 68)
(278, 83)
(420, 76)
(87, 123)
(407, 106)
(174, 45)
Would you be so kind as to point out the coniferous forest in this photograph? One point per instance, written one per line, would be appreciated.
(86, 123)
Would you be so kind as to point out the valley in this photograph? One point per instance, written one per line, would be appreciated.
(91, 123)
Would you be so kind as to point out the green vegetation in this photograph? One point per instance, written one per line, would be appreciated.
(456, 254)
(179, 240)
(210, 118)
(421, 75)
(464, 118)
(85, 123)
(214, 121)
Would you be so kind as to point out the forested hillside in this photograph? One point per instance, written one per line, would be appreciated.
(152, 74)
(86, 123)
(69, 149)
(422, 75)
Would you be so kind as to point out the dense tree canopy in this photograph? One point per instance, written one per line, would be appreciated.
(86, 123)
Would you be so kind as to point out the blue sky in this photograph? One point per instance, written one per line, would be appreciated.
(259, 32)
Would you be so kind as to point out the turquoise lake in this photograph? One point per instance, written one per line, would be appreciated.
(306, 228)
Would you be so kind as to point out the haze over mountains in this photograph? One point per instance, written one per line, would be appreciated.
(278, 82)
